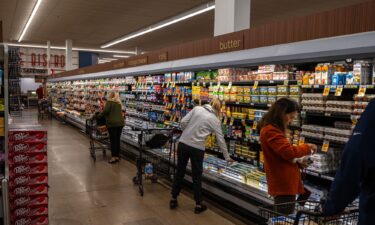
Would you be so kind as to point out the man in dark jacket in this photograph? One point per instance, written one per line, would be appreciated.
(356, 175)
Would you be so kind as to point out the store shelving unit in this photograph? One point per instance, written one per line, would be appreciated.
(241, 195)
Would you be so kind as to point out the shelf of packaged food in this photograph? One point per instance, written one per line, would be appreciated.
(252, 104)
(249, 82)
(320, 142)
(329, 177)
(333, 87)
(251, 140)
(164, 83)
(327, 114)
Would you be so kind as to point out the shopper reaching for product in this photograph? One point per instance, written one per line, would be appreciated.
(197, 125)
(115, 122)
(283, 175)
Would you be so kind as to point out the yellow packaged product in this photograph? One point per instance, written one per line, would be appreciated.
(233, 90)
(246, 99)
(240, 98)
(233, 97)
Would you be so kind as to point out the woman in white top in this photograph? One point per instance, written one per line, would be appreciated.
(197, 125)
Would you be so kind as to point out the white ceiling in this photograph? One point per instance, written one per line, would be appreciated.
(91, 23)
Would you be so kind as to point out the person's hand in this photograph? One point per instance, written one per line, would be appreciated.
(230, 161)
(313, 148)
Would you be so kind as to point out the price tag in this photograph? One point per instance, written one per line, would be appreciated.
(255, 125)
(174, 84)
(325, 146)
(272, 81)
(255, 85)
(338, 91)
(218, 84)
(168, 84)
(225, 120)
(362, 91)
(243, 122)
(162, 85)
(210, 84)
(327, 88)
(301, 141)
(198, 84)
(231, 121)
(200, 102)
(204, 84)
(286, 82)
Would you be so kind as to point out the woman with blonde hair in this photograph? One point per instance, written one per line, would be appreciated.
(197, 125)
(115, 122)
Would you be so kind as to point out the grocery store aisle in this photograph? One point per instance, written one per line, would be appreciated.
(86, 193)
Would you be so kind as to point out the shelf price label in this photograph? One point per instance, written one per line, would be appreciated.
(338, 91)
(230, 85)
(327, 88)
(204, 84)
(301, 141)
(243, 122)
(210, 84)
(198, 84)
(162, 85)
(255, 125)
(218, 84)
(255, 85)
(325, 146)
(200, 102)
(286, 82)
(362, 91)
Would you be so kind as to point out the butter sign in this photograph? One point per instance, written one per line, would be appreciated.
(136, 62)
(230, 44)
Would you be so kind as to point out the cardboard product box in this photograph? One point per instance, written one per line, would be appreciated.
(27, 135)
(28, 190)
(17, 170)
(16, 148)
(33, 220)
(27, 201)
(28, 179)
(29, 211)
(27, 159)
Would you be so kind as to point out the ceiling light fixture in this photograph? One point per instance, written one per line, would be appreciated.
(74, 49)
(35, 9)
(121, 56)
(165, 23)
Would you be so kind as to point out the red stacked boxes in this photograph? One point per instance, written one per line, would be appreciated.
(28, 176)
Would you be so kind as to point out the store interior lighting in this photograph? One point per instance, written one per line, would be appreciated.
(191, 13)
(74, 48)
(35, 9)
(121, 56)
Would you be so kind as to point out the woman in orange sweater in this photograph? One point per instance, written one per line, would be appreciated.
(283, 175)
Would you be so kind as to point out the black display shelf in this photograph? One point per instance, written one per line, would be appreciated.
(329, 177)
(348, 86)
(328, 114)
(252, 104)
(248, 83)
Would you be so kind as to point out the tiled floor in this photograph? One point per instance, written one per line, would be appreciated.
(86, 193)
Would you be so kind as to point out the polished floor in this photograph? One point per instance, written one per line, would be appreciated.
(86, 193)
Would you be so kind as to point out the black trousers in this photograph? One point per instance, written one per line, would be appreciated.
(114, 138)
(196, 156)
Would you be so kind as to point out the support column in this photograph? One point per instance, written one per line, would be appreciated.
(48, 58)
(231, 16)
(68, 55)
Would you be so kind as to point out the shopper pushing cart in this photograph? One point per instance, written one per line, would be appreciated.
(112, 113)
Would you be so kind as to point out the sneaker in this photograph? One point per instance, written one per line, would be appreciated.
(200, 209)
(173, 204)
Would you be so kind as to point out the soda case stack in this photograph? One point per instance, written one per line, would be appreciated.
(28, 175)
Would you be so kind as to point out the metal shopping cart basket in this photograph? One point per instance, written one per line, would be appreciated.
(98, 136)
(154, 155)
(306, 213)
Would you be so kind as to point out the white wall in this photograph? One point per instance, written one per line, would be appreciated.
(28, 84)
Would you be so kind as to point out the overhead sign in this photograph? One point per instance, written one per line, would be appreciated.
(34, 61)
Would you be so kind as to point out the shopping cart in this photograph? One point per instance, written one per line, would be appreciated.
(306, 213)
(155, 146)
(44, 108)
(98, 136)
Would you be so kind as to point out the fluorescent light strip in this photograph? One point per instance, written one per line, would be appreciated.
(36, 7)
(121, 56)
(110, 59)
(74, 49)
(166, 23)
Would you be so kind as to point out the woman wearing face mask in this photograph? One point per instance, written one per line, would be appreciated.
(197, 125)
(283, 175)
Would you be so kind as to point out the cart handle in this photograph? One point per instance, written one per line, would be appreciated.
(321, 214)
